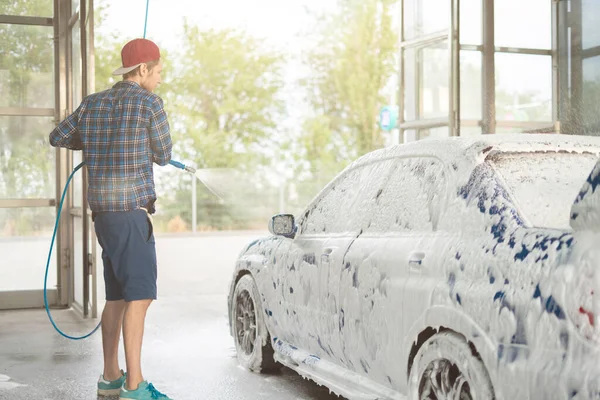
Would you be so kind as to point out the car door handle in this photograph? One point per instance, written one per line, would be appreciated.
(416, 259)
(325, 255)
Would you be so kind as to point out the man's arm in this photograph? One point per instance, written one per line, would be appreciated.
(160, 134)
(66, 134)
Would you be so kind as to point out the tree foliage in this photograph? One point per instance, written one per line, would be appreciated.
(224, 96)
(351, 64)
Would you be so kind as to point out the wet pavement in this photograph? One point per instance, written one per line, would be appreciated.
(188, 352)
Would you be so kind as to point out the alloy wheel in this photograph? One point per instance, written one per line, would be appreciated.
(442, 380)
(245, 324)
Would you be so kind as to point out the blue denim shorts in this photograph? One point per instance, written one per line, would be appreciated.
(128, 253)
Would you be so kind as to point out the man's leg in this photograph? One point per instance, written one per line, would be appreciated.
(112, 318)
(133, 332)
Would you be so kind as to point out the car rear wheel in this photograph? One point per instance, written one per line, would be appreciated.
(446, 368)
(252, 341)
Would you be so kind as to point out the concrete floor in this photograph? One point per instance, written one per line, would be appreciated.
(188, 352)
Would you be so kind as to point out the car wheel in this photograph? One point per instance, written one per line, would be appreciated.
(446, 368)
(252, 341)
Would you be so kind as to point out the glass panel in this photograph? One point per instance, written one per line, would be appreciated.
(76, 64)
(470, 131)
(523, 87)
(26, 66)
(470, 21)
(434, 77)
(25, 235)
(470, 85)
(77, 261)
(426, 79)
(39, 8)
(591, 93)
(525, 24)
(422, 17)
(410, 85)
(27, 161)
(590, 9)
(74, 6)
(440, 132)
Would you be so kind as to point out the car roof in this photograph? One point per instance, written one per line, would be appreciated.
(466, 152)
(462, 154)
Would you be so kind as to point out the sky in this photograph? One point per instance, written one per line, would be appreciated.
(279, 22)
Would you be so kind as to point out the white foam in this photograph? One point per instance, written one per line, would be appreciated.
(514, 291)
(7, 384)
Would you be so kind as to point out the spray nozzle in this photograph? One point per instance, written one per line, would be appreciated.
(180, 165)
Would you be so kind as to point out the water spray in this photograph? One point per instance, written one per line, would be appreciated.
(199, 174)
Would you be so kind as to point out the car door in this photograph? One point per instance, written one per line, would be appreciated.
(314, 259)
(373, 292)
(302, 273)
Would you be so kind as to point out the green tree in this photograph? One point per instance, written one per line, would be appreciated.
(223, 103)
(352, 62)
(224, 98)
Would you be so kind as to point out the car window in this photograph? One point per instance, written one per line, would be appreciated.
(411, 199)
(543, 186)
(346, 203)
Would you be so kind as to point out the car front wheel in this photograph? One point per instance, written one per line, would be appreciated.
(251, 337)
(446, 368)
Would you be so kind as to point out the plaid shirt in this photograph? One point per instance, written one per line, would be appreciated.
(121, 131)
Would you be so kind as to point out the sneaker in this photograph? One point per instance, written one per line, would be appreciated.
(145, 391)
(111, 388)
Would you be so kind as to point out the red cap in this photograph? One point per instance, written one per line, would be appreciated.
(135, 53)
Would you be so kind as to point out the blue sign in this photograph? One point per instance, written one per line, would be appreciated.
(388, 118)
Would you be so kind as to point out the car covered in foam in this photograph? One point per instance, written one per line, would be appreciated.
(446, 268)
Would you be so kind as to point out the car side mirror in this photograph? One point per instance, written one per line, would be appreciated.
(283, 225)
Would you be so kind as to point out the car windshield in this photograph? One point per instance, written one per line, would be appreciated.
(544, 185)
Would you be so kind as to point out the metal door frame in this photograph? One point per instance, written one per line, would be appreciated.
(89, 305)
(63, 295)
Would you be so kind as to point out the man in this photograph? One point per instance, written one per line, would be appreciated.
(122, 132)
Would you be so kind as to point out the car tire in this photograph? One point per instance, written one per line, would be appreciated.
(250, 334)
(445, 367)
